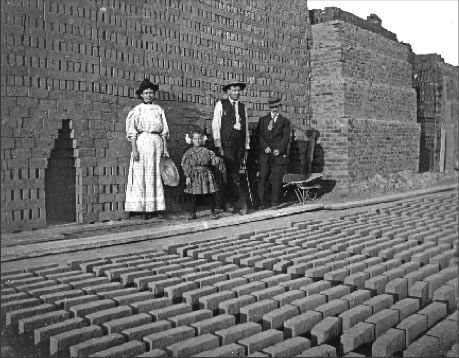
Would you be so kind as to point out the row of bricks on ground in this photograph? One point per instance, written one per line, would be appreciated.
(445, 222)
(421, 284)
(173, 279)
(406, 226)
(432, 207)
(422, 202)
(409, 217)
(437, 203)
(269, 254)
(243, 281)
(366, 293)
(267, 251)
(440, 205)
(386, 246)
(440, 214)
(225, 339)
(319, 319)
(386, 217)
(423, 208)
(445, 218)
(444, 206)
(324, 238)
(344, 240)
(417, 335)
(403, 215)
(314, 263)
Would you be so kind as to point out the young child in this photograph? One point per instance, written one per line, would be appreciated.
(197, 163)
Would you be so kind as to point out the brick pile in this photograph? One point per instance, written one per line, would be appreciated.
(319, 16)
(363, 101)
(383, 282)
(437, 87)
(78, 65)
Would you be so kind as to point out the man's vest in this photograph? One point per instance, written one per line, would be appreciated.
(228, 121)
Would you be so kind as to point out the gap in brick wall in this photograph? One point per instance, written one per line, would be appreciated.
(60, 180)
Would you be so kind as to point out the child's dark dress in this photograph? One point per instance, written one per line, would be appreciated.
(197, 164)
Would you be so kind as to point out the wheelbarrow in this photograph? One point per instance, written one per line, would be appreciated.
(306, 187)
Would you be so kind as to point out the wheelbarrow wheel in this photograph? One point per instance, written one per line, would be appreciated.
(313, 194)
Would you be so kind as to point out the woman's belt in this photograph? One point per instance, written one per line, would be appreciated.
(158, 133)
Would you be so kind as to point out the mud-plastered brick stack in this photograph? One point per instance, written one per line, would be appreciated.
(363, 101)
(77, 65)
(371, 283)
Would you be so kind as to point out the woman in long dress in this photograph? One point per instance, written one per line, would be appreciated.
(147, 130)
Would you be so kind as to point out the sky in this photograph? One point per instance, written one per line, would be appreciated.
(429, 26)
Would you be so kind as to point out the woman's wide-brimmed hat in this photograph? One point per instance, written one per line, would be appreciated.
(169, 172)
(145, 85)
(241, 85)
(274, 102)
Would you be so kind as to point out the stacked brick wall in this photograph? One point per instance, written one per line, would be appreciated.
(437, 87)
(82, 61)
(363, 103)
(381, 147)
(319, 16)
(451, 114)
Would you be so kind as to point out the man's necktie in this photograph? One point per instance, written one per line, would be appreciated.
(237, 125)
(271, 123)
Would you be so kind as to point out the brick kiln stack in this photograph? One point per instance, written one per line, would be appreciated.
(362, 97)
(437, 85)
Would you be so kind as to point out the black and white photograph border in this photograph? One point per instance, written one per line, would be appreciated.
(218, 178)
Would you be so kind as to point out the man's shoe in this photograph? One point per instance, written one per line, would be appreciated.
(229, 208)
(260, 207)
(191, 217)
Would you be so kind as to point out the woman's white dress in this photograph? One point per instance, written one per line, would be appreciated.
(144, 191)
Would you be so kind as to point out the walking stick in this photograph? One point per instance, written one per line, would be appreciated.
(246, 174)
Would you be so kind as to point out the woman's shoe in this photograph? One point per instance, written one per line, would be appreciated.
(162, 216)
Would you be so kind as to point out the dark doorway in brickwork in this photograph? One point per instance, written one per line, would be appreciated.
(426, 148)
(60, 180)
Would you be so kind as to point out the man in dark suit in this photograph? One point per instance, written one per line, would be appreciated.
(231, 138)
(274, 137)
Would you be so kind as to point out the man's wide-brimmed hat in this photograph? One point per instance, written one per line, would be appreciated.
(274, 102)
(226, 86)
(145, 85)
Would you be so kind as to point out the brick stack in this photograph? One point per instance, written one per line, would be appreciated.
(363, 102)
(333, 14)
(81, 63)
(381, 282)
(437, 86)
